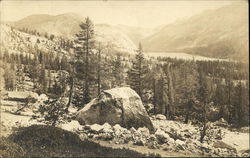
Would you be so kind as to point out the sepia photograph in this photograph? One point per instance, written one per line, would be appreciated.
(124, 78)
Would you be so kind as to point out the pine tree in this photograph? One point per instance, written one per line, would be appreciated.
(137, 73)
(171, 106)
(99, 49)
(165, 92)
(154, 95)
(10, 77)
(245, 104)
(187, 78)
(186, 87)
(85, 44)
(160, 89)
(240, 101)
(52, 110)
(117, 71)
(34, 71)
(220, 100)
(20, 77)
(46, 35)
(43, 79)
(49, 79)
(71, 86)
(204, 101)
(229, 91)
(64, 63)
(51, 37)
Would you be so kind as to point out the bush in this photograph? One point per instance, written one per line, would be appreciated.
(9, 149)
(52, 110)
(48, 141)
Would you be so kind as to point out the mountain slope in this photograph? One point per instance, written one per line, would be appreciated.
(60, 25)
(136, 34)
(67, 25)
(219, 33)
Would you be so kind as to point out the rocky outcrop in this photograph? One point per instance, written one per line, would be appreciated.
(116, 106)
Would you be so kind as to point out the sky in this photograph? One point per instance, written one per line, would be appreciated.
(139, 13)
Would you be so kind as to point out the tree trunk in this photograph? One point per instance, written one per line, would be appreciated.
(165, 98)
(25, 105)
(86, 87)
(203, 132)
(170, 93)
(187, 118)
(70, 93)
(98, 73)
(154, 99)
(188, 111)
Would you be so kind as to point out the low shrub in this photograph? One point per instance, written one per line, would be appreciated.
(48, 141)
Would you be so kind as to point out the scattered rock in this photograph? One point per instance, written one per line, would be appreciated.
(205, 147)
(179, 142)
(132, 130)
(245, 153)
(221, 123)
(86, 127)
(176, 134)
(167, 147)
(83, 136)
(139, 141)
(153, 145)
(71, 126)
(223, 145)
(119, 131)
(107, 128)
(144, 131)
(171, 141)
(152, 142)
(244, 129)
(161, 136)
(160, 117)
(151, 138)
(96, 128)
(106, 136)
(117, 127)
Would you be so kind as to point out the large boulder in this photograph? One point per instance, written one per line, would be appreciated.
(116, 106)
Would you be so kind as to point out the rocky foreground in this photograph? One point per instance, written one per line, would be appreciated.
(168, 136)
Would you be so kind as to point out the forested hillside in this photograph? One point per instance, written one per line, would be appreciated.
(81, 68)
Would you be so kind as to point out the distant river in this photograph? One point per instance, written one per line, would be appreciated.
(179, 55)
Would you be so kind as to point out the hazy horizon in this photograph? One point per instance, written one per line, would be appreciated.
(147, 14)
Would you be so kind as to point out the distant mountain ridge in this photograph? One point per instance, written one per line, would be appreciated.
(67, 25)
(221, 33)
